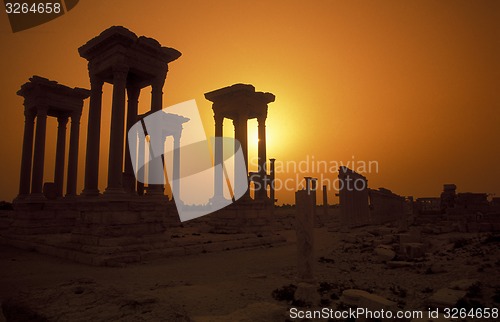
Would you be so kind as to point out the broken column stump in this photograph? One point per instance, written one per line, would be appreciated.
(304, 228)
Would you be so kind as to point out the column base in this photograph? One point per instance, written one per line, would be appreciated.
(155, 191)
(90, 192)
(70, 196)
(115, 192)
(20, 198)
(36, 197)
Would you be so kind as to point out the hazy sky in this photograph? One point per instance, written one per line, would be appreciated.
(412, 85)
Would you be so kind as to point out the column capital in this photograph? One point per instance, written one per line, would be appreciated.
(120, 73)
(177, 136)
(96, 82)
(160, 78)
(133, 93)
(243, 116)
(158, 82)
(261, 119)
(42, 110)
(29, 114)
(62, 120)
(76, 116)
(219, 118)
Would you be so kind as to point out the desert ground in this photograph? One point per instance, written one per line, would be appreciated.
(257, 284)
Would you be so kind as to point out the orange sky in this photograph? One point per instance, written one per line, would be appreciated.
(412, 85)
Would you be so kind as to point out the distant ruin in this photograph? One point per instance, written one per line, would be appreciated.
(361, 206)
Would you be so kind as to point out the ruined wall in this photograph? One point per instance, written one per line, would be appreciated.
(385, 206)
(353, 198)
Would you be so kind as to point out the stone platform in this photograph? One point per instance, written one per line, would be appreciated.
(107, 231)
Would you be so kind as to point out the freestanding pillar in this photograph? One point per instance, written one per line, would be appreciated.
(60, 153)
(325, 201)
(304, 227)
(25, 177)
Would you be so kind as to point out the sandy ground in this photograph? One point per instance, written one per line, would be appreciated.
(237, 285)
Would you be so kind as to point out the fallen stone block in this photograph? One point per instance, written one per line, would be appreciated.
(399, 264)
(464, 284)
(445, 298)
(413, 250)
(360, 298)
(384, 253)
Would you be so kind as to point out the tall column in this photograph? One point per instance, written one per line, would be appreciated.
(60, 155)
(132, 109)
(177, 166)
(304, 229)
(141, 168)
(241, 134)
(39, 154)
(74, 140)
(116, 138)
(154, 165)
(157, 93)
(93, 137)
(272, 174)
(262, 193)
(27, 156)
(218, 175)
(325, 201)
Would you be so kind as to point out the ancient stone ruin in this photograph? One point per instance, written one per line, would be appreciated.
(361, 206)
(128, 221)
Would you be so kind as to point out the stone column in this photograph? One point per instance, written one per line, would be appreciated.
(140, 161)
(27, 156)
(116, 138)
(154, 165)
(157, 93)
(241, 134)
(325, 201)
(218, 175)
(177, 166)
(93, 137)
(272, 175)
(39, 154)
(314, 187)
(132, 109)
(262, 193)
(304, 228)
(60, 154)
(74, 141)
